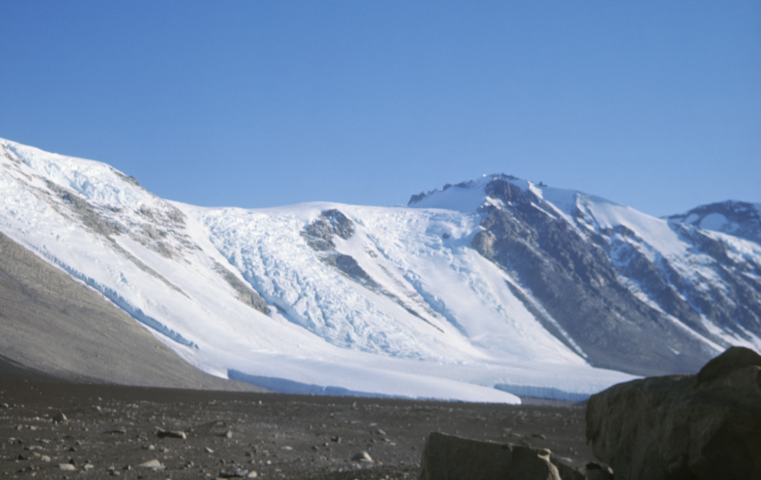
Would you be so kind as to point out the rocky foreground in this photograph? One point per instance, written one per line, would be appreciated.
(112, 430)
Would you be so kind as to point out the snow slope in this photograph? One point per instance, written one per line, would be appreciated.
(427, 316)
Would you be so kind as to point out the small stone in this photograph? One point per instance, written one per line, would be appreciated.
(235, 473)
(539, 436)
(89, 466)
(60, 418)
(545, 452)
(335, 439)
(363, 457)
(45, 458)
(380, 432)
(171, 434)
(4, 405)
(252, 474)
(118, 431)
(287, 448)
(209, 450)
(66, 466)
(154, 464)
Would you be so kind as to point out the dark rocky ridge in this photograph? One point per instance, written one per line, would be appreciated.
(743, 217)
(319, 235)
(246, 294)
(577, 284)
(580, 277)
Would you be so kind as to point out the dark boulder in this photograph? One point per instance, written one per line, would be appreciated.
(733, 358)
(692, 427)
(449, 457)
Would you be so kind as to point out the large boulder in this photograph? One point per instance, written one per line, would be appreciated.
(449, 457)
(691, 427)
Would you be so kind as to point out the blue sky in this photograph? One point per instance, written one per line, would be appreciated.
(652, 104)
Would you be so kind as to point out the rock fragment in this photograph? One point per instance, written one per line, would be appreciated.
(363, 457)
(458, 458)
(161, 433)
(598, 472)
(233, 473)
(152, 464)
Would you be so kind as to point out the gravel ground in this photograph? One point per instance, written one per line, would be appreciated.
(112, 430)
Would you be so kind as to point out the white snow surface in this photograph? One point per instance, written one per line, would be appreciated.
(440, 322)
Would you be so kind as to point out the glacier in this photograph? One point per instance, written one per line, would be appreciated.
(398, 303)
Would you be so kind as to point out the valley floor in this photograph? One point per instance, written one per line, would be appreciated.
(111, 430)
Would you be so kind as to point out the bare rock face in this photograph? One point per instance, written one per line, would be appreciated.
(449, 457)
(691, 427)
(319, 234)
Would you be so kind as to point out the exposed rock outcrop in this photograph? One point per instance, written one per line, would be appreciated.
(692, 427)
(449, 457)
(246, 294)
(569, 271)
(741, 219)
(319, 235)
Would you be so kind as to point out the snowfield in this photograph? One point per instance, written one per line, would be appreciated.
(425, 317)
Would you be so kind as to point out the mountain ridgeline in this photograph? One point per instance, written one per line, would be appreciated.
(582, 277)
(479, 291)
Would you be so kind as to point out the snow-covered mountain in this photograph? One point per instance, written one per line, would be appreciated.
(739, 219)
(473, 292)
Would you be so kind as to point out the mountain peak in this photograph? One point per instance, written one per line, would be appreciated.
(465, 196)
(740, 219)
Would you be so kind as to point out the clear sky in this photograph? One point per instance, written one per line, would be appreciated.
(653, 104)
